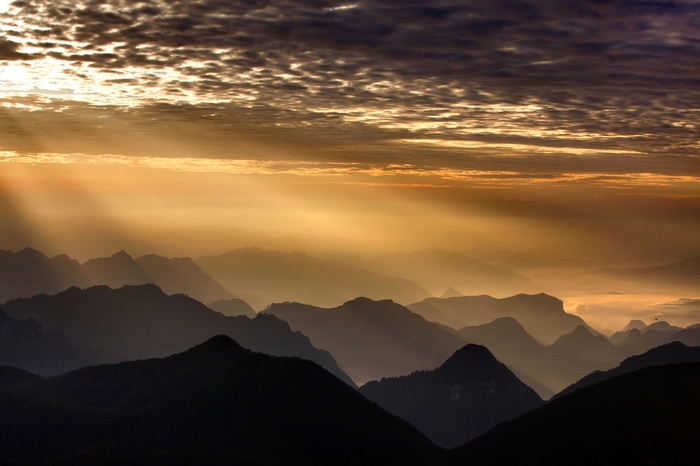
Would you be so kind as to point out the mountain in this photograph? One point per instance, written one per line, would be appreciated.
(433, 269)
(463, 398)
(178, 275)
(115, 271)
(671, 353)
(182, 275)
(216, 403)
(678, 275)
(451, 293)
(134, 322)
(24, 344)
(547, 369)
(278, 277)
(371, 339)
(233, 307)
(644, 417)
(28, 272)
(634, 323)
(541, 315)
(433, 314)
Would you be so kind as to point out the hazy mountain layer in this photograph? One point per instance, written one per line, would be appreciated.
(136, 322)
(28, 272)
(216, 402)
(547, 369)
(644, 417)
(463, 398)
(233, 307)
(683, 275)
(279, 277)
(371, 339)
(541, 315)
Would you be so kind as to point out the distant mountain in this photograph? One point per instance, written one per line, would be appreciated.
(541, 315)
(134, 322)
(179, 275)
(644, 417)
(371, 339)
(451, 293)
(684, 274)
(214, 404)
(463, 398)
(115, 271)
(434, 269)
(278, 277)
(28, 272)
(24, 344)
(233, 307)
(433, 314)
(547, 369)
(638, 324)
(11, 376)
(671, 353)
(182, 275)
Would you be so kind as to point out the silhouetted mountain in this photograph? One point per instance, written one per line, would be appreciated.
(659, 333)
(433, 269)
(28, 272)
(233, 307)
(181, 275)
(277, 277)
(661, 326)
(546, 369)
(451, 293)
(638, 324)
(463, 398)
(644, 417)
(433, 314)
(134, 322)
(671, 353)
(371, 339)
(684, 274)
(118, 270)
(11, 376)
(24, 344)
(541, 315)
(217, 403)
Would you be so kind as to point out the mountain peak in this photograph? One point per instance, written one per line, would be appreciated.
(469, 358)
(451, 293)
(634, 323)
(121, 255)
(219, 343)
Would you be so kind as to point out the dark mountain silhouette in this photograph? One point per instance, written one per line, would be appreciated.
(433, 314)
(371, 339)
(433, 269)
(253, 301)
(463, 398)
(181, 275)
(638, 342)
(541, 315)
(634, 323)
(678, 275)
(661, 326)
(277, 277)
(216, 403)
(28, 272)
(644, 417)
(118, 270)
(671, 353)
(547, 369)
(11, 376)
(134, 322)
(24, 344)
(233, 307)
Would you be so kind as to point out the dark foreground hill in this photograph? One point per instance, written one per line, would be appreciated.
(671, 353)
(463, 398)
(217, 403)
(645, 417)
(372, 339)
(136, 322)
(541, 315)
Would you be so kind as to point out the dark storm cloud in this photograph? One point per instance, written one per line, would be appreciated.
(629, 70)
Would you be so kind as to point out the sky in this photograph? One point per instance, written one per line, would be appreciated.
(508, 130)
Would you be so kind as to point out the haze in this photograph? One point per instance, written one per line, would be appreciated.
(554, 140)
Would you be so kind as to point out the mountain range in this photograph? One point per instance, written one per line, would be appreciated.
(541, 315)
(216, 403)
(463, 398)
(133, 322)
(371, 339)
(279, 277)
